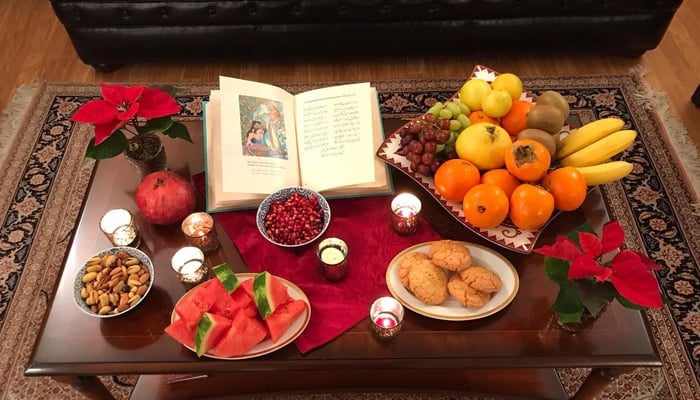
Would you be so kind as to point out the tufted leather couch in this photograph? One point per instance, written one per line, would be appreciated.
(108, 33)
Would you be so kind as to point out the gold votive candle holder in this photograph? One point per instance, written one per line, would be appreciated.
(405, 208)
(199, 231)
(120, 228)
(386, 318)
(332, 254)
(189, 265)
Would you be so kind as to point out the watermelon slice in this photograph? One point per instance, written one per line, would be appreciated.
(227, 277)
(180, 331)
(244, 334)
(224, 304)
(269, 293)
(209, 330)
(198, 301)
(278, 322)
(244, 301)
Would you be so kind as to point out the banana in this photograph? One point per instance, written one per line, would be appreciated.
(588, 134)
(606, 172)
(600, 150)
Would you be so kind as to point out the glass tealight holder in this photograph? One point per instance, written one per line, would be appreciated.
(405, 208)
(386, 318)
(188, 263)
(332, 254)
(199, 230)
(120, 228)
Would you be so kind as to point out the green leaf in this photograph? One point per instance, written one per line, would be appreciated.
(568, 300)
(115, 144)
(556, 270)
(567, 318)
(628, 304)
(156, 125)
(585, 227)
(178, 130)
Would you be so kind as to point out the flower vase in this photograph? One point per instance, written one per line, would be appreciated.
(587, 319)
(146, 154)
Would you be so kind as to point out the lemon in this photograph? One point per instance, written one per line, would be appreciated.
(496, 103)
(472, 92)
(510, 83)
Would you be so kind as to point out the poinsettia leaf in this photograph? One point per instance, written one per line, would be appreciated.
(613, 236)
(178, 130)
(169, 89)
(568, 300)
(104, 131)
(584, 227)
(627, 304)
(634, 282)
(156, 125)
(111, 147)
(565, 318)
(556, 270)
(584, 266)
(95, 112)
(156, 103)
(595, 295)
(590, 244)
(563, 249)
(652, 266)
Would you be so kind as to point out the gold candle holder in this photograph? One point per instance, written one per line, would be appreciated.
(386, 318)
(332, 254)
(119, 227)
(188, 263)
(199, 230)
(405, 208)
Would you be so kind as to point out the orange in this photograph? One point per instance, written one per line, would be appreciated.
(455, 177)
(568, 186)
(516, 119)
(485, 206)
(480, 116)
(501, 178)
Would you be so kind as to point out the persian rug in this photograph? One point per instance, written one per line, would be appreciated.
(45, 177)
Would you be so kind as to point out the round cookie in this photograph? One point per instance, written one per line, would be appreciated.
(481, 279)
(450, 254)
(465, 294)
(405, 264)
(428, 282)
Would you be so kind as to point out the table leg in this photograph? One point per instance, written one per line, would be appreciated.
(90, 386)
(598, 380)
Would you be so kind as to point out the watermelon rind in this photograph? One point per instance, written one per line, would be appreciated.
(209, 331)
(227, 277)
(261, 294)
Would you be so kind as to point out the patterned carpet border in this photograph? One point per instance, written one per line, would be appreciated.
(45, 177)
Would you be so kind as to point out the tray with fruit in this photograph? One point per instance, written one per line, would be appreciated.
(503, 161)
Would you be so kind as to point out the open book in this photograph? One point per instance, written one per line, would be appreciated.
(259, 138)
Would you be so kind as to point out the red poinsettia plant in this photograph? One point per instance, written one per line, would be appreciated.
(592, 271)
(128, 110)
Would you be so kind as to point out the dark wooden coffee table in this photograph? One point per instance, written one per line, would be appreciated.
(513, 352)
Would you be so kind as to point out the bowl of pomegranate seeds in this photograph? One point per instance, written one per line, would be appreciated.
(293, 216)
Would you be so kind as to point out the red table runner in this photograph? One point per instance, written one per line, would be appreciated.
(364, 224)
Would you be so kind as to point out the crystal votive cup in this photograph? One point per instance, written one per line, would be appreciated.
(188, 263)
(386, 318)
(120, 228)
(405, 208)
(332, 254)
(199, 231)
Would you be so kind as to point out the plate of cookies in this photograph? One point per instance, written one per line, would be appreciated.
(452, 280)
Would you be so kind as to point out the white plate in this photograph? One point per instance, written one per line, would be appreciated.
(451, 310)
(266, 346)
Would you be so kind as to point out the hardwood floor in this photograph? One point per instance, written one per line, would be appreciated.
(35, 47)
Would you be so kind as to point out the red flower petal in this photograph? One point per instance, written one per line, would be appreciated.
(590, 243)
(103, 131)
(634, 282)
(584, 266)
(95, 112)
(563, 249)
(651, 266)
(118, 94)
(155, 103)
(613, 236)
(130, 113)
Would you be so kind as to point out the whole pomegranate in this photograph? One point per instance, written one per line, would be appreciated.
(165, 198)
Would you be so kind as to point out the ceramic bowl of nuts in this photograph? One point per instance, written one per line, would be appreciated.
(113, 282)
(293, 216)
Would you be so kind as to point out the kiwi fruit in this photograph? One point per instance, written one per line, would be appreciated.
(549, 141)
(553, 98)
(548, 118)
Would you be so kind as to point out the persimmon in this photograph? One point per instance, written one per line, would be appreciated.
(568, 186)
(516, 119)
(455, 177)
(485, 206)
(501, 178)
(479, 116)
(530, 206)
(528, 160)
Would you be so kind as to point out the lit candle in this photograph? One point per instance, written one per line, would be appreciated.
(119, 227)
(199, 231)
(332, 254)
(405, 208)
(386, 318)
(188, 263)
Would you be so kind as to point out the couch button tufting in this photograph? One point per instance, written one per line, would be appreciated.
(433, 6)
(164, 12)
(296, 9)
(211, 10)
(76, 15)
(126, 13)
(343, 7)
(252, 9)
(386, 6)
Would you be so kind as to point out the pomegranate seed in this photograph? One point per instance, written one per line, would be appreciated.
(294, 220)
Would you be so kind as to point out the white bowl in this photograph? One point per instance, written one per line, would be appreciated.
(144, 261)
(283, 194)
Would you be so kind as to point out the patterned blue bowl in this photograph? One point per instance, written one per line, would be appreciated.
(283, 194)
